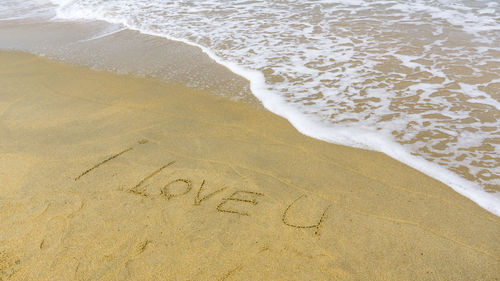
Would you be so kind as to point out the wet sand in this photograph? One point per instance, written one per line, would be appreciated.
(115, 177)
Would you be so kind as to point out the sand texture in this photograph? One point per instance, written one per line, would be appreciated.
(114, 177)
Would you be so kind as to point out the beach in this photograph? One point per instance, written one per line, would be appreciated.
(119, 177)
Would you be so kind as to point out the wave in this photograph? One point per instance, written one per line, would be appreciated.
(340, 71)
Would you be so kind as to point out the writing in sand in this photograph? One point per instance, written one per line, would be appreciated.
(229, 204)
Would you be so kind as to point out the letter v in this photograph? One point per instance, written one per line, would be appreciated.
(198, 200)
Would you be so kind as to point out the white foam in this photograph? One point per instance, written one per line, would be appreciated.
(478, 95)
(28, 9)
(112, 29)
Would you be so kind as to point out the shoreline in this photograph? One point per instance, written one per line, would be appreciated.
(222, 79)
(108, 176)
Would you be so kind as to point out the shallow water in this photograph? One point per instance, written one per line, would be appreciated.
(417, 80)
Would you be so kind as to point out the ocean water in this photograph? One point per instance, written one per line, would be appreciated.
(418, 80)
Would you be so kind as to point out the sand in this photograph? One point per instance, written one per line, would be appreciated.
(115, 177)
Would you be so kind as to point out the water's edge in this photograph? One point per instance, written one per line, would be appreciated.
(487, 200)
(315, 129)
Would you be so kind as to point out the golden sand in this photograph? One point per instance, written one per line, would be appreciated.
(114, 177)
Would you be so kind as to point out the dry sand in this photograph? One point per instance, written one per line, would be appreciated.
(114, 177)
